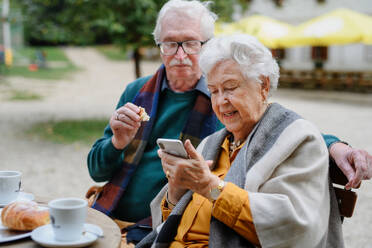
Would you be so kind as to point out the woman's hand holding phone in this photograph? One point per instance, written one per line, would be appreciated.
(191, 173)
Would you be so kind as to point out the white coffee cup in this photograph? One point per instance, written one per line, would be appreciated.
(68, 216)
(10, 185)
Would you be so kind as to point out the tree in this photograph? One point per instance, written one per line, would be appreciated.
(81, 22)
(60, 22)
(134, 22)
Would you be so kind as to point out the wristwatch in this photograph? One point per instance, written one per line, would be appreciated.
(216, 191)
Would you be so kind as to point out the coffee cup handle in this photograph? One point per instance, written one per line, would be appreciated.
(19, 187)
(53, 221)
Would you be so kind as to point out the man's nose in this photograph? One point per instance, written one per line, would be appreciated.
(180, 54)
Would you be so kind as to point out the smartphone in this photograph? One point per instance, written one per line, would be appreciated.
(172, 146)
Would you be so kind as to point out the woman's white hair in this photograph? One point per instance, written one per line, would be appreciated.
(254, 59)
(194, 9)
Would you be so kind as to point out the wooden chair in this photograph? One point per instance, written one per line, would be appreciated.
(346, 198)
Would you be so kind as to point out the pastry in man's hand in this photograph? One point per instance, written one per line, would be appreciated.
(143, 115)
(24, 216)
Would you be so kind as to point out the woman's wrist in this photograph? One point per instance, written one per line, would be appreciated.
(214, 182)
(174, 195)
(170, 204)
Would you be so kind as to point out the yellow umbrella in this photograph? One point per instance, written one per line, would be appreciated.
(366, 27)
(225, 29)
(341, 26)
(269, 31)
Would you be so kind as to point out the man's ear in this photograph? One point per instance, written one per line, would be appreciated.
(265, 87)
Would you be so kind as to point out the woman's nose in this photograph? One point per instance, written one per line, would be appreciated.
(221, 98)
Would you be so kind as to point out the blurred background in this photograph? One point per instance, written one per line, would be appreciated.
(65, 63)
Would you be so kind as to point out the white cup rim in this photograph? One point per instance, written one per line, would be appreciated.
(81, 203)
(9, 173)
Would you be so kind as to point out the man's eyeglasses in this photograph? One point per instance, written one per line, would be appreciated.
(188, 46)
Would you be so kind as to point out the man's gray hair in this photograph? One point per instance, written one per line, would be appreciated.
(194, 9)
(254, 59)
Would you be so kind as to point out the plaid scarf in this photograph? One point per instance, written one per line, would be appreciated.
(169, 228)
(200, 123)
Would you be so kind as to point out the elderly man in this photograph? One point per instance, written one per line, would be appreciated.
(178, 102)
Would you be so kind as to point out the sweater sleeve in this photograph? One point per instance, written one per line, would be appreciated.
(104, 159)
(329, 139)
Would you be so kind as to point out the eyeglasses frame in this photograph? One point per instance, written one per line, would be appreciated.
(180, 44)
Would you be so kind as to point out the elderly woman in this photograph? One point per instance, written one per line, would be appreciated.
(262, 181)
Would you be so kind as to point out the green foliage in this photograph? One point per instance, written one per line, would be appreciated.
(225, 8)
(126, 22)
(70, 131)
(57, 22)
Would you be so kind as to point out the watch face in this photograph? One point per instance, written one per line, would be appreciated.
(215, 192)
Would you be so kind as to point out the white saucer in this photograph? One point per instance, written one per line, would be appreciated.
(44, 236)
(22, 196)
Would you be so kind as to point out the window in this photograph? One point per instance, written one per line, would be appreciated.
(278, 3)
(319, 53)
(278, 53)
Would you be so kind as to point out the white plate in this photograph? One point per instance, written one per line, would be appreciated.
(44, 236)
(7, 235)
(22, 196)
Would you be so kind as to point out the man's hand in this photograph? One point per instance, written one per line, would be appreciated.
(354, 163)
(124, 124)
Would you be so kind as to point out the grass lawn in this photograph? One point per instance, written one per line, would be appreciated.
(70, 131)
(22, 95)
(54, 56)
(115, 52)
(112, 52)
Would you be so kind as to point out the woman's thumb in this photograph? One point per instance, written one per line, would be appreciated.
(190, 149)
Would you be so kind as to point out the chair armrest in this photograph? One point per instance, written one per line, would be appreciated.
(346, 199)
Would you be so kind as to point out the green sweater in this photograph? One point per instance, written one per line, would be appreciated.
(104, 160)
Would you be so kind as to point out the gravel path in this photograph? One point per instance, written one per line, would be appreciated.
(57, 170)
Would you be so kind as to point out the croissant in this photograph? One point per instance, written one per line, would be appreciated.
(143, 115)
(24, 216)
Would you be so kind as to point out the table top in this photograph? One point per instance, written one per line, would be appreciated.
(111, 231)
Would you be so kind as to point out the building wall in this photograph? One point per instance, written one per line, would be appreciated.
(297, 11)
(349, 57)
(340, 57)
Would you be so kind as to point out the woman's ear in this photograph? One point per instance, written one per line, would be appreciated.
(265, 87)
